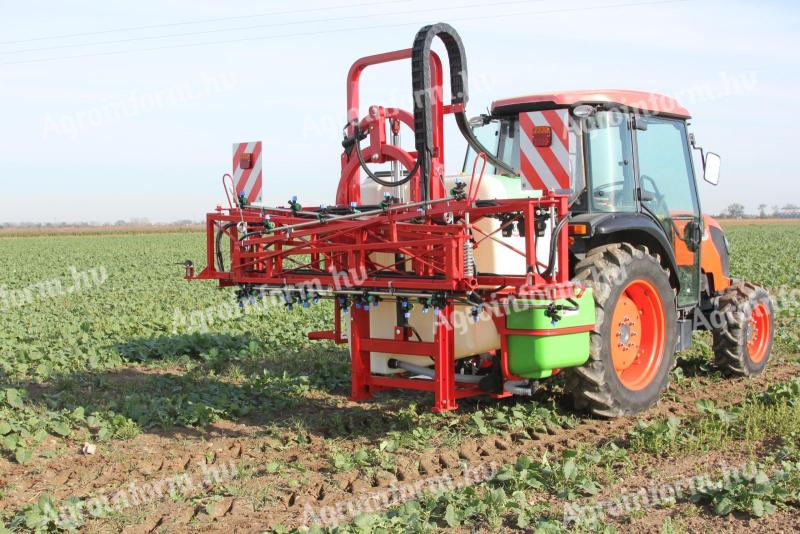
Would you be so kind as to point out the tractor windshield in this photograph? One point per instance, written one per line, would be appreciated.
(499, 136)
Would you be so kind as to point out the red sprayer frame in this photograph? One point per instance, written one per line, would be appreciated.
(303, 253)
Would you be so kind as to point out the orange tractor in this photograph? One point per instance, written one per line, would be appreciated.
(572, 241)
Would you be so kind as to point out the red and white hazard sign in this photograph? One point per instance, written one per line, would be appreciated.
(544, 150)
(247, 177)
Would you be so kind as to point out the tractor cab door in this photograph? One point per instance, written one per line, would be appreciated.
(668, 192)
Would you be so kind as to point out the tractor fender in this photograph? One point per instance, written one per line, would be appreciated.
(714, 256)
(634, 228)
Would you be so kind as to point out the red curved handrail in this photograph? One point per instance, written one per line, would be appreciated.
(349, 189)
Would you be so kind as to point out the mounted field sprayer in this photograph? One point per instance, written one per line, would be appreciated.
(572, 242)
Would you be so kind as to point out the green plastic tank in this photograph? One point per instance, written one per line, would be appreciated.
(538, 356)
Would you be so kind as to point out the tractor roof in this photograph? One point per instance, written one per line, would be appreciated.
(639, 100)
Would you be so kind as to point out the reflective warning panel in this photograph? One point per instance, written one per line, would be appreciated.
(247, 177)
(544, 150)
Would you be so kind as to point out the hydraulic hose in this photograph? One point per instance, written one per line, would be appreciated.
(459, 96)
(551, 261)
(371, 175)
(472, 141)
(218, 248)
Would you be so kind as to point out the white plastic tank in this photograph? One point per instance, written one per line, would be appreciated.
(491, 256)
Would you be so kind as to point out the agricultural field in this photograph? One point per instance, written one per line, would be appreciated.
(134, 401)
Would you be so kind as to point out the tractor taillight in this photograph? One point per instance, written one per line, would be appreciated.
(246, 160)
(542, 136)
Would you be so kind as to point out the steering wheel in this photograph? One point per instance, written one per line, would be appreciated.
(659, 205)
(656, 191)
(609, 185)
(661, 211)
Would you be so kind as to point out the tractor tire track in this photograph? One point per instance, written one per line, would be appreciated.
(506, 448)
(142, 461)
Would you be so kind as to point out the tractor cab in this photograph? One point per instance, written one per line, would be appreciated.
(625, 159)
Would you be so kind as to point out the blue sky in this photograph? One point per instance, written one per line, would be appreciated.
(90, 131)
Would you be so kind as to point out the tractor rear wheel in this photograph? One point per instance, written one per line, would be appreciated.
(633, 342)
(743, 329)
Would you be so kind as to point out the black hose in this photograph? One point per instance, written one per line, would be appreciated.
(472, 141)
(372, 176)
(252, 234)
(551, 262)
(218, 248)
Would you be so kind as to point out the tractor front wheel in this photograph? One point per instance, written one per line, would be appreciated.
(743, 328)
(633, 341)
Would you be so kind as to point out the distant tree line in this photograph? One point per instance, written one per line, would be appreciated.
(138, 221)
(737, 211)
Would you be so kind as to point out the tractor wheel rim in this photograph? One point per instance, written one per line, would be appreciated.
(759, 333)
(638, 335)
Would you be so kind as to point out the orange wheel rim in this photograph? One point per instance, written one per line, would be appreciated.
(759, 333)
(637, 335)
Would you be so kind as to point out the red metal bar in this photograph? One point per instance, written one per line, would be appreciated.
(444, 362)
(471, 195)
(349, 186)
(387, 382)
(259, 259)
(360, 357)
(563, 274)
(319, 335)
(337, 323)
(211, 262)
(500, 324)
(334, 335)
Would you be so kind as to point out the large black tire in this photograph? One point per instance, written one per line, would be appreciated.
(596, 386)
(733, 326)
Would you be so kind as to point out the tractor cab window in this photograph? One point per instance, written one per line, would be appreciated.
(669, 194)
(498, 136)
(665, 168)
(609, 165)
(489, 136)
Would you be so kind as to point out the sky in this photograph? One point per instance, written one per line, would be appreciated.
(117, 110)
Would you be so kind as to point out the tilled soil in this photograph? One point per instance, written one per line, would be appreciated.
(263, 479)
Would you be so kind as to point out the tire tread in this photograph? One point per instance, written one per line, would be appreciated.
(588, 383)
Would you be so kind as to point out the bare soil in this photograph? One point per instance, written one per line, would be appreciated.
(281, 471)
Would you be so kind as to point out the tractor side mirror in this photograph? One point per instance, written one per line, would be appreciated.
(711, 168)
